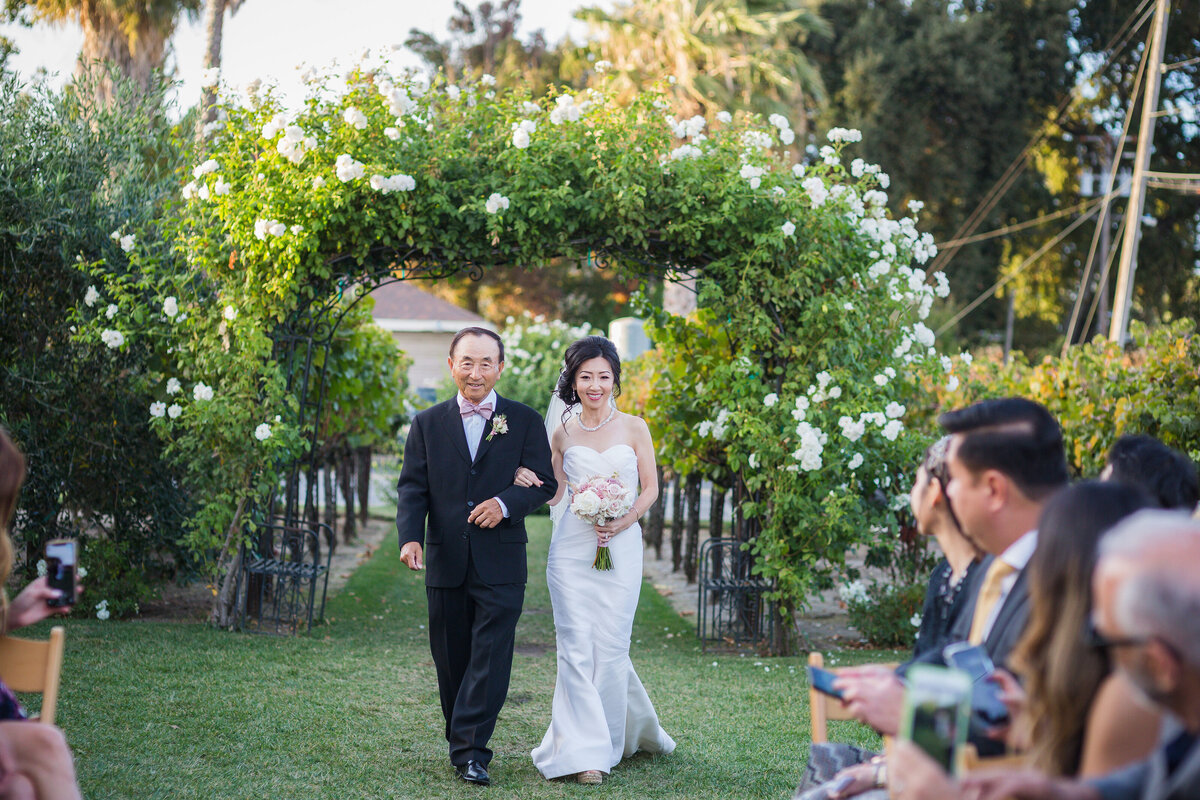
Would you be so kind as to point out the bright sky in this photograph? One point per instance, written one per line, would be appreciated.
(268, 38)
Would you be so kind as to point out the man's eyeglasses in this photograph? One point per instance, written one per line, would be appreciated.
(1097, 640)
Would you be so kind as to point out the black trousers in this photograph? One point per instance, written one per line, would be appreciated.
(471, 631)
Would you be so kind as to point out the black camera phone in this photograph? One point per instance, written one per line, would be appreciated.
(822, 680)
(60, 571)
(972, 659)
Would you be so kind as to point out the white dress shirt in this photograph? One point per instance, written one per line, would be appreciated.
(473, 426)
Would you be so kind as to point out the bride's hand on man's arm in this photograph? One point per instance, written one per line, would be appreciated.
(526, 477)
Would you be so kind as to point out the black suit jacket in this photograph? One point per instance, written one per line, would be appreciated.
(439, 483)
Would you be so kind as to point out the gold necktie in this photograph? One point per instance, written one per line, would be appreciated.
(989, 596)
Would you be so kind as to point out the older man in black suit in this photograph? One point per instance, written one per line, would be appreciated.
(457, 498)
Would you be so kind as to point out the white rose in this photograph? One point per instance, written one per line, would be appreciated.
(174, 386)
(174, 411)
(788, 228)
(496, 202)
(770, 400)
(262, 432)
(91, 296)
(128, 241)
(586, 504)
(158, 409)
(230, 313)
(202, 392)
(855, 462)
(170, 307)
(355, 117)
(113, 339)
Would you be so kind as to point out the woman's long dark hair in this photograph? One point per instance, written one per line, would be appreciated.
(1062, 674)
(582, 350)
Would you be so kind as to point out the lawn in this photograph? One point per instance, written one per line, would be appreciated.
(175, 710)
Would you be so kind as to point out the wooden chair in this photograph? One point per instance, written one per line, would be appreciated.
(29, 665)
(822, 707)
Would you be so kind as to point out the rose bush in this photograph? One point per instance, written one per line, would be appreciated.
(811, 294)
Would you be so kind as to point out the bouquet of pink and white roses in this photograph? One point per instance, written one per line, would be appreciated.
(599, 500)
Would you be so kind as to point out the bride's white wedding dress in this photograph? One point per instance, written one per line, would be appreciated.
(601, 713)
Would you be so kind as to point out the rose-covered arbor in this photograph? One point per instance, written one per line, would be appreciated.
(805, 281)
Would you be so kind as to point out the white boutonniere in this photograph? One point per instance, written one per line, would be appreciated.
(499, 426)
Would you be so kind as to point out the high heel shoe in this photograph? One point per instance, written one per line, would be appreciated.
(592, 777)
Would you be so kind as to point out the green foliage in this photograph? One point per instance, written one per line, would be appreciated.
(533, 354)
(794, 375)
(366, 392)
(70, 174)
(887, 615)
(1100, 391)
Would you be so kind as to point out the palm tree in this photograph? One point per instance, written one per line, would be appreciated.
(131, 34)
(214, 25)
(722, 54)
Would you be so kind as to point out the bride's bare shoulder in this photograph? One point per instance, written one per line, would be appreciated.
(634, 425)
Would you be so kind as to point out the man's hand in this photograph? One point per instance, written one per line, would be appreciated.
(410, 554)
(487, 514)
(874, 696)
(1027, 785)
(526, 477)
(30, 606)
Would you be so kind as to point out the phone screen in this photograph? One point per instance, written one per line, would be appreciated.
(972, 660)
(935, 712)
(60, 571)
(822, 680)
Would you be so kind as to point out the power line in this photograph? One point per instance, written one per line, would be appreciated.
(1020, 226)
(1027, 262)
(1118, 43)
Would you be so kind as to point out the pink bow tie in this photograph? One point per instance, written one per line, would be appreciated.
(467, 408)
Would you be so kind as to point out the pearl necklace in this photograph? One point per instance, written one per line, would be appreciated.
(607, 419)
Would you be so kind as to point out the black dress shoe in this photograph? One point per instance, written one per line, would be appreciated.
(473, 772)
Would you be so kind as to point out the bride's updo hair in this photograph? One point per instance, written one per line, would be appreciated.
(582, 350)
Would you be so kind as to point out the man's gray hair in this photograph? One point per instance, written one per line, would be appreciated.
(1161, 597)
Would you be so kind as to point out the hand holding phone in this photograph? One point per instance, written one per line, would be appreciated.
(60, 571)
(935, 712)
(985, 693)
(822, 680)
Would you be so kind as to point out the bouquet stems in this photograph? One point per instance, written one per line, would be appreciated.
(603, 560)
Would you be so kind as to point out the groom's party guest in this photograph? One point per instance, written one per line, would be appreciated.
(1006, 460)
(1147, 620)
(1167, 475)
(461, 518)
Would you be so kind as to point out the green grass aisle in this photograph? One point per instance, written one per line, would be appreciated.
(181, 711)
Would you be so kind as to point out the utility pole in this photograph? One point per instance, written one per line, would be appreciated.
(1118, 329)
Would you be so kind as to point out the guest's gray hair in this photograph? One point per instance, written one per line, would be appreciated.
(1162, 595)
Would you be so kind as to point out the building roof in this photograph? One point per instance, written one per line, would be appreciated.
(402, 306)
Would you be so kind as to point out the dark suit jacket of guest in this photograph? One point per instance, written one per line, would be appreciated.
(1148, 780)
(1010, 623)
(440, 483)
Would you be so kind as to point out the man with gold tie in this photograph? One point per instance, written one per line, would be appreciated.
(1005, 461)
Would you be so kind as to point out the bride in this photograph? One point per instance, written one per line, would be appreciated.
(601, 713)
